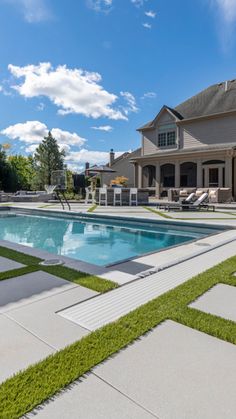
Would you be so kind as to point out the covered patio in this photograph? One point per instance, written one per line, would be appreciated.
(186, 169)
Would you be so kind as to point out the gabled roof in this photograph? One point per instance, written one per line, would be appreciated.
(218, 98)
(151, 124)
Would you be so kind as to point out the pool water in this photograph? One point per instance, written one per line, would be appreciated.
(95, 241)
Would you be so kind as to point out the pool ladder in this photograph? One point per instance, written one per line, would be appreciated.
(60, 197)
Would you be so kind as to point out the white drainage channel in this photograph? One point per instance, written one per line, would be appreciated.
(103, 309)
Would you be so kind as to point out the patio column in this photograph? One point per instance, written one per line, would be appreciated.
(199, 174)
(221, 177)
(140, 174)
(135, 168)
(158, 180)
(228, 172)
(177, 174)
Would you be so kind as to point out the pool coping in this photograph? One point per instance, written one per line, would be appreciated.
(112, 271)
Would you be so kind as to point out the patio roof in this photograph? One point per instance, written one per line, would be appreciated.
(186, 151)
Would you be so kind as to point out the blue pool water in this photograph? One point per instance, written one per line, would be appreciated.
(95, 241)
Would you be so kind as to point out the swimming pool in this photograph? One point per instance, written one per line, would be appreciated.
(94, 240)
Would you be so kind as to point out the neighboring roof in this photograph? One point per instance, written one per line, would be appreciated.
(203, 149)
(100, 169)
(125, 155)
(218, 98)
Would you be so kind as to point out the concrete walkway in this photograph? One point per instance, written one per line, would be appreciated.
(30, 327)
(174, 372)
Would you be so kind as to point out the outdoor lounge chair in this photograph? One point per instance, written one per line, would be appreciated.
(197, 205)
(188, 200)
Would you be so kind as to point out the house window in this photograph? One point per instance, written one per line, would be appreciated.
(171, 138)
(166, 139)
(162, 139)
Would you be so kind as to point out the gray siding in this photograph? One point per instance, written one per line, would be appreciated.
(123, 167)
(208, 132)
(150, 138)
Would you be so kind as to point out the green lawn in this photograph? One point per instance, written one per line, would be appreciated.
(32, 265)
(27, 389)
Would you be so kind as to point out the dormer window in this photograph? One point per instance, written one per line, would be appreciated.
(166, 139)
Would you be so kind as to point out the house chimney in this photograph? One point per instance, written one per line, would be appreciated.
(112, 157)
(86, 169)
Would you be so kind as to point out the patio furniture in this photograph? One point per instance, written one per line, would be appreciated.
(117, 196)
(133, 196)
(197, 205)
(103, 196)
(90, 195)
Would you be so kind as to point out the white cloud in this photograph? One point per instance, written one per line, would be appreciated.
(149, 95)
(32, 133)
(40, 106)
(33, 10)
(131, 103)
(227, 9)
(151, 14)
(72, 90)
(106, 128)
(1, 88)
(138, 3)
(100, 5)
(93, 157)
(225, 12)
(147, 25)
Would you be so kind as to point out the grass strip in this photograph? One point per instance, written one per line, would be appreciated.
(32, 265)
(18, 272)
(19, 256)
(24, 391)
(81, 278)
(162, 214)
(92, 208)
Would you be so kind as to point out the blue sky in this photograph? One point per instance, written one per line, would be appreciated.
(92, 71)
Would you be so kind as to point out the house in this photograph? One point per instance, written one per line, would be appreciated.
(122, 166)
(191, 145)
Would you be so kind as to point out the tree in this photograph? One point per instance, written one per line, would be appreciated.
(24, 171)
(48, 158)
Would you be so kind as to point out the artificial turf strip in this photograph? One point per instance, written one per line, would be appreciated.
(13, 273)
(81, 278)
(32, 265)
(27, 389)
(91, 209)
(19, 257)
(158, 212)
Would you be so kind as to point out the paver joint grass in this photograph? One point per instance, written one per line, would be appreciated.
(32, 265)
(27, 389)
(92, 208)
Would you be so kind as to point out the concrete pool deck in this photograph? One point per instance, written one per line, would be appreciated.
(174, 371)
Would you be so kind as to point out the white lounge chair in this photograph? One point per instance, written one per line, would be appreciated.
(201, 202)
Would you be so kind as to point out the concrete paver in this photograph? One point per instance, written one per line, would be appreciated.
(91, 399)
(28, 288)
(18, 348)
(176, 372)
(173, 372)
(8, 264)
(219, 300)
(41, 318)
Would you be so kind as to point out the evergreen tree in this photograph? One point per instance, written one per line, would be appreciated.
(48, 158)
